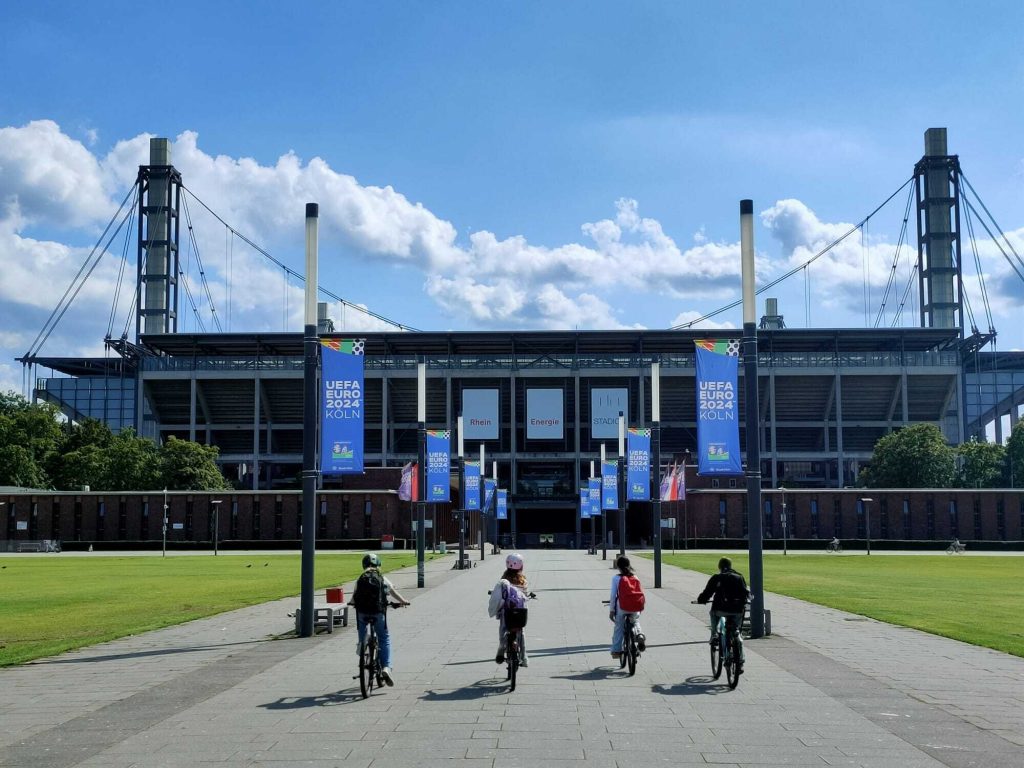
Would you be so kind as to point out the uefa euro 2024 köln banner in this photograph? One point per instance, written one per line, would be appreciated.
(584, 501)
(638, 464)
(718, 425)
(594, 484)
(471, 490)
(438, 465)
(342, 407)
(502, 505)
(489, 485)
(609, 485)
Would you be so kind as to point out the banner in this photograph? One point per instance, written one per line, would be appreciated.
(341, 407)
(545, 414)
(502, 505)
(471, 486)
(718, 426)
(409, 487)
(480, 414)
(489, 485)
(638, 464)
(609, 485)
(673, 484)
(594, 486)
(584, 501)
(439, 463)
(605, 406)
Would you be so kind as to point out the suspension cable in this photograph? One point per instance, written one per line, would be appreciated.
(893, 271)
(199, 262)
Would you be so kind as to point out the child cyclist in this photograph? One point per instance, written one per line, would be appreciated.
(510, 589)
(627, 599)
(370, 600)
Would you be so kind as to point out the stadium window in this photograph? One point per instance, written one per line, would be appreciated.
(929, 518)
(837, 518)
(12, 517)
(33, 521)
(954, 521)
(322, 526)
(55, 519)
(368, 519)
(344, 517)
(101, 518)
(769, 527)
(883, 519)
(906, 518)
(77, 518)
(977, 519)
(721, 516)
(122, 519)
(278, 518)
(144, 523)
(714, 484)
(861, 527)
(256, 518)
(732, 482)
(233, 528)
(189, 510)
(815, 531)
(1000, 520)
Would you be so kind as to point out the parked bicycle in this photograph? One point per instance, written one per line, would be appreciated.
(370, 670)
(834, 546)
(725, 650)
(515, 622)
(955, 547)
(630, 642)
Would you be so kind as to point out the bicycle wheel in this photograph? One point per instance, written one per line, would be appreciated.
(716, 655)
(732, 664)
(630, 652)
(365, 671)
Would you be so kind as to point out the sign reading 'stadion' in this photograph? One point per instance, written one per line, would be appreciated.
(718, 429)
(342, 407)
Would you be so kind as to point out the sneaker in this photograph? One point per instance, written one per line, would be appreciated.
(739, 668)
(616, 654)
(524, 662)
(641, 642)
(386, 674)
(499, 658)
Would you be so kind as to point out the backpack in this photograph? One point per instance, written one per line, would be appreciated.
(371, 595)
(514, 607)
(631, 594)
(731, 593)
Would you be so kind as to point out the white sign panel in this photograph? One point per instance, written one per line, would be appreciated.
(22, 525)
(605, 405)
(480, 414)
(545, 414)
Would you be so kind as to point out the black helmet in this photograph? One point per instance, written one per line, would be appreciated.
(371, 560)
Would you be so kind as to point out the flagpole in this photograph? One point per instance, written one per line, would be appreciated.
(604, 517)
(421, 408)
(620, 484)
(483, 500)
(462, 489)
(593, 521)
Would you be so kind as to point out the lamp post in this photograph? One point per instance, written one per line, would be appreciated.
(421, 503)
(310, 409)
(784, 519)
(495, 549)
(462, 488)
(621, 485)
(163, 552)
(604, 517)
(593, 521)
(867, 522)
(656, 464)
(216, 523)
(483, 501)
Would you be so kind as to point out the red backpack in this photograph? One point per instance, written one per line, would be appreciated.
(631, 594)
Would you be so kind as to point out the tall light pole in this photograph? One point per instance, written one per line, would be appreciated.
(462, 488)
(867, 521)
(495, 549)
(163, 551)
(593, 521)
(483, 501)
(216, 523)
(310, 405)
(621, 485)
(785, 520)
(421, 503)
(656, 464)
(604, 517)
(754, 514)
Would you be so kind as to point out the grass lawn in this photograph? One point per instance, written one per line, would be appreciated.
(979, 600)
(53, 604)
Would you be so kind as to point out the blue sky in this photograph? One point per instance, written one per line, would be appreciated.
(503, 165)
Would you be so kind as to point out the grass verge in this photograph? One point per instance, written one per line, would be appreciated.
(53, 604)
(978, 600)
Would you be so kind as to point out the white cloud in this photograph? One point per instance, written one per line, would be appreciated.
(685, 318)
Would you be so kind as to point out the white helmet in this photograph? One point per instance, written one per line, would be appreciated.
(514, 562)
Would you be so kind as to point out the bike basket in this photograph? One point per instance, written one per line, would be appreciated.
(515, 618)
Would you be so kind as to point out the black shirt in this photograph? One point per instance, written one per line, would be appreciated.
(730, 591)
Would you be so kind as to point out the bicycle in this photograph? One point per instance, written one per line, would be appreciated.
(370, 670)
(725, 649)
(955, 548)
(630, 646)
(834, 546)
(515, 621)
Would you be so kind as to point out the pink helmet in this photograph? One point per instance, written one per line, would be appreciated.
(514, 562)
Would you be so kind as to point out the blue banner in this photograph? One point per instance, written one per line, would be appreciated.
(718, 426)
(438, 465)
(502, 505)
(584, 501)
(341, 407)
(471, 486)
(489, 486)
(638, 465)
(609, 485)
(594, 486)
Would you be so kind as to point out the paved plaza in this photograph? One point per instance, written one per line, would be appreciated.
(827, 688)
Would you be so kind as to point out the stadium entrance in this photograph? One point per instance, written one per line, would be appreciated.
(543, 524)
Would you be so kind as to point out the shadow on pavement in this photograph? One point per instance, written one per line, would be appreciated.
(597, 673)
(141, 654)
(698, 685)
(493, 686)
(324, 700)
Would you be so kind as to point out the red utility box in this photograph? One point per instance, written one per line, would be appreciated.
(335, 594)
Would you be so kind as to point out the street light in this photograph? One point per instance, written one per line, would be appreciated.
(163, 552)
(783, 518)
(867, 522)
(216, 523)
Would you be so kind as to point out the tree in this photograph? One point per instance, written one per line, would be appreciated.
(191, 466)
(1015, 456)
(982, 465)
(34, 428)
(913, 457)
(19, 467)
(133, 464)
(88, 465)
